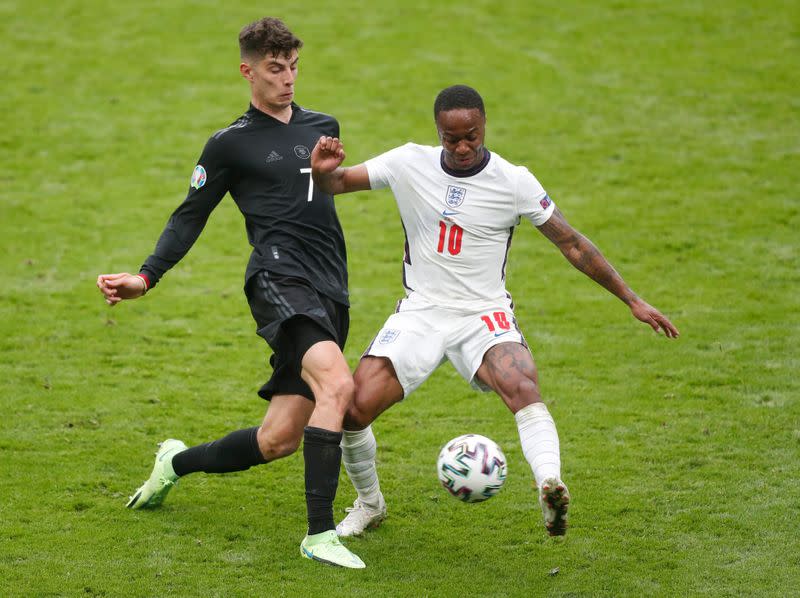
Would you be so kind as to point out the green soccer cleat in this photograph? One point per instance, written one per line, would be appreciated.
(554, 500)
(153, 492)
(326, 548)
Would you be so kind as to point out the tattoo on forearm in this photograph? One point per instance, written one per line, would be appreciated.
(582, 254)
(587, 258)
(591, 262)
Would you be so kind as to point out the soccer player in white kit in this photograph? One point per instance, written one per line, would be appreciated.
(459, 205)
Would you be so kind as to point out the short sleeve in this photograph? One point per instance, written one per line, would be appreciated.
(532, 200)
(383, 169)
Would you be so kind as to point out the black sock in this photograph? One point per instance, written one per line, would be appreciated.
(235, 452)
(323, 458)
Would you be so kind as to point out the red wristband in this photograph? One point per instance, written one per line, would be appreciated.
(146, 281)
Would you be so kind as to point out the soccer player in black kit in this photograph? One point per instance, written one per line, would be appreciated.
(295, 282)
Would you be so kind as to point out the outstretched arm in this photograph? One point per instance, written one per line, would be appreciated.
(326, 159)
(582, 254)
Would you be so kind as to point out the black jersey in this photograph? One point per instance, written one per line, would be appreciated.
(265, 165)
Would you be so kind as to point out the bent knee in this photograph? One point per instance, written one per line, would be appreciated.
(357, 419)
(363, 410)
(338, 391)
(345, 388)
(276, 444)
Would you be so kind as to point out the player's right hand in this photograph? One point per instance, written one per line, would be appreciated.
(327, 155)
(116, 287)
(648, 314)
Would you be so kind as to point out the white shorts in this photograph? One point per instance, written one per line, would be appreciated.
(420, 337)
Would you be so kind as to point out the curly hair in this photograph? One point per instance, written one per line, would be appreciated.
(455, 97)
(267, 36)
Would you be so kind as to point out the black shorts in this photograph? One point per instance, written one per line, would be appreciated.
(292, 316)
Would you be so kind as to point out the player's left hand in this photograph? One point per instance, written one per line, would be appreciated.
(327, 155)
(648, 314)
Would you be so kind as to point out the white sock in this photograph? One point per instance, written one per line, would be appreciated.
(539, 438)
(358, 456)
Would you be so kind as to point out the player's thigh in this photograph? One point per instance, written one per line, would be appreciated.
(414, 345)
(509, 370)
(293, 317)
(325, 369)
(377, 389)
(471, 336)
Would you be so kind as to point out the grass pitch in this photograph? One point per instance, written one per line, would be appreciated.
(668, 133)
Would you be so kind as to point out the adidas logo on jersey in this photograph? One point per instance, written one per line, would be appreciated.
(274, 157)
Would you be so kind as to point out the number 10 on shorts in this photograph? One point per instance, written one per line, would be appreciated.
(500, 320)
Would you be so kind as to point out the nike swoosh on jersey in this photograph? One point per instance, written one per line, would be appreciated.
(501, 333)
(449, 213)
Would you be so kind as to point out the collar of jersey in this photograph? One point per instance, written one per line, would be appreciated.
(465, 173)
(295, 111)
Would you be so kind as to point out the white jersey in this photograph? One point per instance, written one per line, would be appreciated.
(458, 225)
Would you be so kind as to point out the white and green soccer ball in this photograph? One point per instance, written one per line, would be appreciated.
(472, 468)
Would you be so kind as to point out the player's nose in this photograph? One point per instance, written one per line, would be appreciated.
(463, 148)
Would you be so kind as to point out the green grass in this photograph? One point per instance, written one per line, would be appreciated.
(667, 132)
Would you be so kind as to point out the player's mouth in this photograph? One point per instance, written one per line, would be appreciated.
(464, 162)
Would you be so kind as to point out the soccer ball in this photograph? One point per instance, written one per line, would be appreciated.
(472, 468)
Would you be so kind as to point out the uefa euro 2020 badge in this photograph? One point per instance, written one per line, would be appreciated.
(198, 177)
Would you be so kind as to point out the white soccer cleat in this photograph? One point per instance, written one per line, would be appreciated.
(360, 518)
(554, 500)
(326, 548)
(153, 492)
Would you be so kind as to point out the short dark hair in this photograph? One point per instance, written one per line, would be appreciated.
(267, 36)
(455, 97)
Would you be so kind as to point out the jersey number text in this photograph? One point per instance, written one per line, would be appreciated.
(453, 239)
(500, 318)
(310, 182)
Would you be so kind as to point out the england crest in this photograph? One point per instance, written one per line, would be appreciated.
(388, 335)
(455, 196)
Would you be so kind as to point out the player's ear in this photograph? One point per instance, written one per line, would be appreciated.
(247, 71)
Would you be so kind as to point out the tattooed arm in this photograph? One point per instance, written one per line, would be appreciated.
(582, 254)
